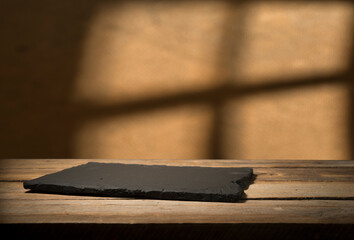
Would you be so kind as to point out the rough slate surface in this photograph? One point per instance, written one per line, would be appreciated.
(144, 181)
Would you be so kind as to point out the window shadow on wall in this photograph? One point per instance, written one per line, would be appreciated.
(41, 52)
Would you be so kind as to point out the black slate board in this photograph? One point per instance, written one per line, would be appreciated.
(145, 181)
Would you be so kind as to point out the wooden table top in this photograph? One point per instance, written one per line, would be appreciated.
(284, 191)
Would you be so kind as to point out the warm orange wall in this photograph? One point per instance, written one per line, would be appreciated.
(176, 79)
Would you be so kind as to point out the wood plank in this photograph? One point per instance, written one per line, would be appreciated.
(322, 171)
(65, 163)
(15, 191)
(262, 174)
(300, 190)
(157, 211)
(276, 180)
(314, 174)
(267, 190)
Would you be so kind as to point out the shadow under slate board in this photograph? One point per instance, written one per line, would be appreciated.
(147, 181)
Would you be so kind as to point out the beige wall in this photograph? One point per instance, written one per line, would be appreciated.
(176, 79)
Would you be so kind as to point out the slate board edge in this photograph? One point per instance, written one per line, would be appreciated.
(69, 190)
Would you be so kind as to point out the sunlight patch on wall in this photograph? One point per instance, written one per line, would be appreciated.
(142, 49)
(309, 123)
(178, 132)
(289, 41)
(138, 51)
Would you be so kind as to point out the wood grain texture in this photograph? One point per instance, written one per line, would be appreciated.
(40, 163)
(266, 170)
(158, 211)
(265, 190)
(272, 170)
(283, 192)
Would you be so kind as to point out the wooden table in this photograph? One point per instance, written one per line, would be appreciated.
(285, 193)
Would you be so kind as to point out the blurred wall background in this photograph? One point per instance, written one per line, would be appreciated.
(176, 79)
